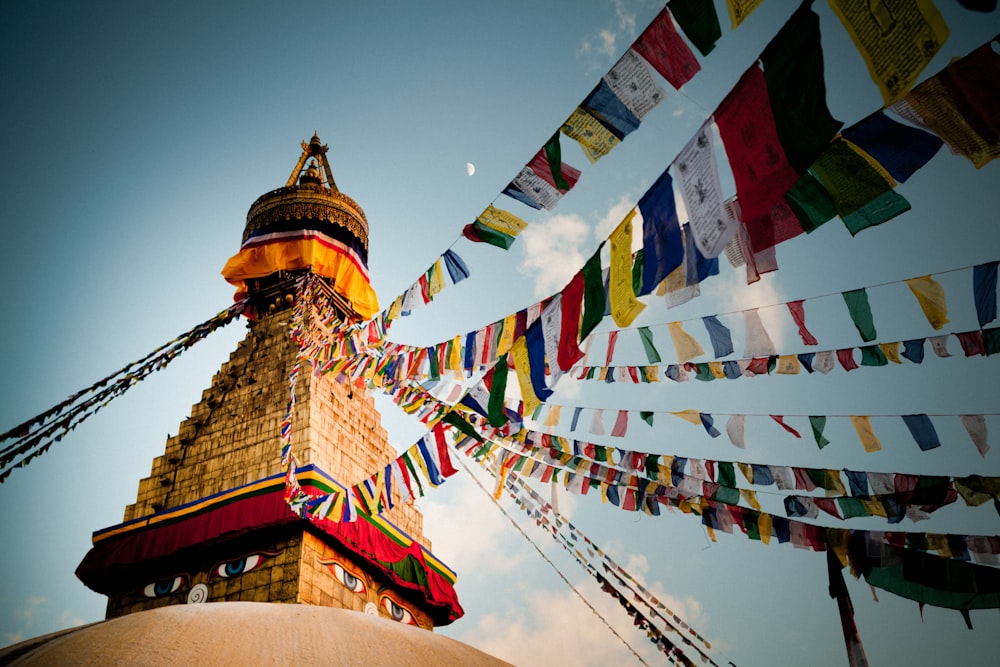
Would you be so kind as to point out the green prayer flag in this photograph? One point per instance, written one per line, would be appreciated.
(647, 343)
(699, 22)
(704, 372)
(647, 416)
(435, 371)
(652, 461)
(727, 495)
(553, 153)
(861, 313)
(872, 355)
(818, 423)
(861, 194)
(496, 416)
(637, 274)
(810, 202)
(465, 427)
(727, 475)
(851, 507)
(593, 295)
(991, 340)
(793, 69)
(750, 523)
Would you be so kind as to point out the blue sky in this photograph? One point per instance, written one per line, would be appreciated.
(136, 136)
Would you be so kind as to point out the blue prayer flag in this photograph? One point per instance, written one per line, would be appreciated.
(722, 340)
(914, 350)
(457, 268)
(536, 360)
(610, 111)
(922, 430)
(900, 149)
(662, 244)
(984, 288)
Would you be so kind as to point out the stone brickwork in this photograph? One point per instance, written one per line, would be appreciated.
(231, 439)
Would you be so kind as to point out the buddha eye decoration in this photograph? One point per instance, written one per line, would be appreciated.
(353, 581)
(397, 612)
(164, 587)
(234, 568)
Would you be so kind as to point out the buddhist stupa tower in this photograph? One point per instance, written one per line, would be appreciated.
(210, 522)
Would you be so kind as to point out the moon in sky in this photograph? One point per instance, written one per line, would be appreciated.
(470, 168)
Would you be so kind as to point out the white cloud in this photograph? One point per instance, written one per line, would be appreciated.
(614, 216)
(730, 291)
(552, 252)
(606, 39)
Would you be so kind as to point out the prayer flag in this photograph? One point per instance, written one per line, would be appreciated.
(709, 423)
(593, 294)
(797, 310)
(781, 422)
(971, 342)
(519, 353)
(930, 295)
(871, 355)
(984, 288)
(594, 138)
(740, 9)
(646, 336)
(662, 243)
(516, 188)
(722, 341)
(495, 415)
(699, 21)
(547, 164)
(861, 313)
(959, 106)
(496, 227)
(810, 202)
(698, 179)
(863, 426)
(735, 430)
(597, 422)
(632, 82)
(975, 426)
(818, 423)
(823, 362)
(624, 306)
(846, 358)
(455, 265)
(666, 52)
(621, 424)
(758, 342)
(553, 156)
(687, 347)
(891, 351)
(914, 350)
(940, 345)
(896, 45)
(862, 195)
(900, 149)
(922, 430)
(572, 303)
(606, 107)
(758, 161)
(793, 69)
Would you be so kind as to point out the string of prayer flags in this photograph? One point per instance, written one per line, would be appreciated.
(793, 69)
(896, 44)
(624, 306)
(495, 227)
(861, 193)
(861, 313)
(930, 296)
(699, 22)
(900, 149)
(665, 51)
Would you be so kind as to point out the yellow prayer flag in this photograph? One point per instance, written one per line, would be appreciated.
(519, 352)
(690, 416)
(502, 221)
(938, 543)
(740, 9)
(552, 418)
(863, 426)
(595, 139)
(624, 306)
(836, 539)
(716, 368)
(686, 346)
(896, 43)
(891, 352)
(751, 498)
(746, 469)
(930, 296)
(788, 364)
(764, 524)
(873, 507)
(506, 334)
(435, 278)
(395, 309)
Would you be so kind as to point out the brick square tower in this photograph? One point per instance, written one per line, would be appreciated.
(210, 522)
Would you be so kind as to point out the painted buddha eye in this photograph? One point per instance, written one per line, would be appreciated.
(235, 568)
(164, 587)
(352, 582)
(396, 612)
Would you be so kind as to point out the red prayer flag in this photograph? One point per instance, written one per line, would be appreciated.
(846, 358)
(797, 309)
(444, 458)
(781, 422)
(540, 165)
(572, 302)
(666, 51)
(972, 343)
(760, 167)
(774, 227)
